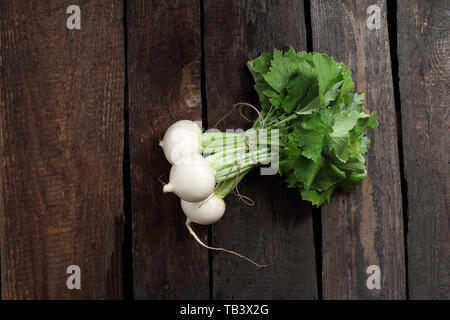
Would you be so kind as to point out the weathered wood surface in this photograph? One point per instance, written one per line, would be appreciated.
(424, 65)
(364, 227)
(164, 77)
(278, 229)
(61, 109)
(62, 121)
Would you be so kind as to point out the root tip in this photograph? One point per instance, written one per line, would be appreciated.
(192, 232)
(168, 188)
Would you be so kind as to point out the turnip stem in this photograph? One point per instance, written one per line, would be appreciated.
(231, 167)
(225, 186)
(221, 139)
(233, 154)
(238, 156)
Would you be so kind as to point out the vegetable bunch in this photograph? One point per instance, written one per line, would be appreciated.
(309, 120)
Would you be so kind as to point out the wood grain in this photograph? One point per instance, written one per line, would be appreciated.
(164, 75)
(424, 65)
(364, 227)
(278, 229)
(61, 113)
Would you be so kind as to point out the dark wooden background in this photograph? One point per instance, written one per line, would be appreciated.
(82, 112)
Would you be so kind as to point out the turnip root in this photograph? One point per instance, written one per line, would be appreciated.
(192, 232)
(182, 138)
(207, 212)
(191, 178)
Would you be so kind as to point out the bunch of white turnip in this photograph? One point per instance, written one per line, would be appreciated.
(191, 177)
(201, 182)
(310, 125)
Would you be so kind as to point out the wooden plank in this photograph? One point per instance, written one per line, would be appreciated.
(365, 227)
(61, 109)
(423, 42)
(278, 229)
(164, 63)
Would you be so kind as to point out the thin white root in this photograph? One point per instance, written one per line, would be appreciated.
(192, 232)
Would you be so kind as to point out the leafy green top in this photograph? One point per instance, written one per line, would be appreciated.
(307, 96)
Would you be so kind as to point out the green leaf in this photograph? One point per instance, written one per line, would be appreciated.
(260, 65)
(328, 176)
(281, 69)
(317, 198)
(345, 137)
(310, 134)
(322, 124)
(353, 179)
(311, 102)
(348, 84)
(327, 71)
(298, 87)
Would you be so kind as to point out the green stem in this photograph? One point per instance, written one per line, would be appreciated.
(229, 152)
(223, 188)
(278, 123)
(230, 169)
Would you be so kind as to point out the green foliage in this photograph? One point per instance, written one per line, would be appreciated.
(307, 96)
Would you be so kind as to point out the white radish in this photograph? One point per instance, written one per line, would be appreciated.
(207, 212)
(181, 138)
(191, 178)
(204, 212)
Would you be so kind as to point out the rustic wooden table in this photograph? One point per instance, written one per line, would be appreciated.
(83, 104)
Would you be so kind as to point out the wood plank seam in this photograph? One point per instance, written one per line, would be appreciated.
(393, 45)
(127, 255)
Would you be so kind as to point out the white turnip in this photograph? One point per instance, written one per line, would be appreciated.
(191, 178)
(207, 212)
(182, 138)
(204, 212)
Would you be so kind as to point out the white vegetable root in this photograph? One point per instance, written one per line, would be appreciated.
(181, 138)
(192, 232)
(204, 212)
(191, 178)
